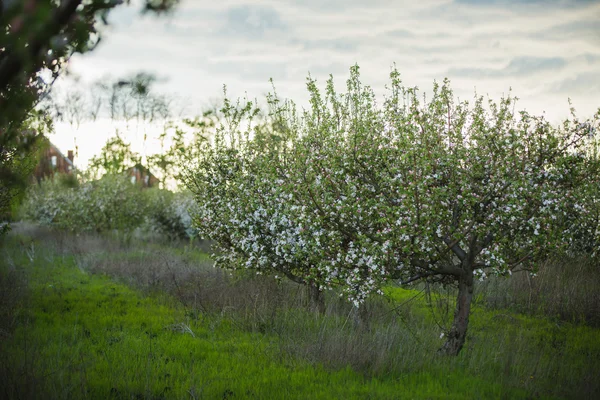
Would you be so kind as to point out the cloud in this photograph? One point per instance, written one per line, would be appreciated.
(585, 83)
(518, 67)
(337, 5)
(591, 58)
(588, 30)
(252, 22)
(324, 69)
(541, 3)
(342, 45)
(497, 44)
(400, 33)
(249, 70)
(530, 65)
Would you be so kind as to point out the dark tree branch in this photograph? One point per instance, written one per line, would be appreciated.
(13, 63)
(293, 277)
(416, 278)
(453, 245)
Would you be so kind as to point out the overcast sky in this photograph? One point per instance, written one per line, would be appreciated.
(547, 51)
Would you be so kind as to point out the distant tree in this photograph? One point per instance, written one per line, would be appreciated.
(129, 99)
(115, 158)
(187, 140)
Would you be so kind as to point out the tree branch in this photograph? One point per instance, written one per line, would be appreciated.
(13, 63)
(453, 245)
(415, 278)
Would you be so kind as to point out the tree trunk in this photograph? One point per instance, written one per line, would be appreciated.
(458, 332)
(317, 300)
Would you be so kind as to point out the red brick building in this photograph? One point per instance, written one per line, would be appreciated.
(142, 175)
(53, 161)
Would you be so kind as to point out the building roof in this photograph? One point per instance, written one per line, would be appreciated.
(67, 159)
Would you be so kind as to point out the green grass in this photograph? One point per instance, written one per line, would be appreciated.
(83, 335)
(545, 356)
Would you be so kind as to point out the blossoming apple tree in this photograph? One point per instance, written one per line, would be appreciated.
(355, 195)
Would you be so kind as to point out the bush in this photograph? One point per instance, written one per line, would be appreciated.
(168, 214)
(108, 204)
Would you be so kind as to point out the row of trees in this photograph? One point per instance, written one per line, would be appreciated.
(137, 111)
(353, 195)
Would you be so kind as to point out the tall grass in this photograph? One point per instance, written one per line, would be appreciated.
(565, 289)
(14, 294)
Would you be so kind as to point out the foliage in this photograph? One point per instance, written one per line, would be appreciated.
(107, 204)
(170, 163)
(584, 208)
(241, 206)
(115, 158)
(16, 166)
(355, 195)
(168, 214)
(103, 205)
(133, 98)
(37, 40)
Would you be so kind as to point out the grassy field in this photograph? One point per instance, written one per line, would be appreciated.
(88, 317)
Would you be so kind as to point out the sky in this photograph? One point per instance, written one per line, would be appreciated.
(545, 51)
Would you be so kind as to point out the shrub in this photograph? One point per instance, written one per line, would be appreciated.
(168, 214)
(110, 203)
